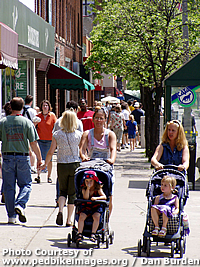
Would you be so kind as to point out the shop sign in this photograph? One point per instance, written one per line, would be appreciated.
(185, 97)
(21, 78)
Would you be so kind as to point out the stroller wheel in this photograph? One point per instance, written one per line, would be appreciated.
(111, 236)
(181, 248)
(139, 247)
(98, 241)
(77, 243)
(69, 240)
(107, 241)
(148, 247)
(172, 249)
(184, 244)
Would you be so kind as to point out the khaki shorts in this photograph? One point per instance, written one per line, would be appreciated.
(65, 172)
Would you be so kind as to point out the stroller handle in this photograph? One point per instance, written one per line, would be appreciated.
(173, 167)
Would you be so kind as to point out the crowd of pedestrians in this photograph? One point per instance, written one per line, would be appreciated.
(80, 134)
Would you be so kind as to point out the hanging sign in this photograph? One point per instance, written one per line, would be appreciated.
(185, 97)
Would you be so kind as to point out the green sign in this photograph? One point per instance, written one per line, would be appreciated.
(21, 79)
(33, 31)
(185, 97)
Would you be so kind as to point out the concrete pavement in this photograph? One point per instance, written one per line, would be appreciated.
(40, 237)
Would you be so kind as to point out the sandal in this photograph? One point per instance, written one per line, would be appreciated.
(163, 232)
(49, 180)
(155, 231)
(59, 219)
(93, 237)
(79, 237)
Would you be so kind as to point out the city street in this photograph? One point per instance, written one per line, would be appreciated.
(43, 243)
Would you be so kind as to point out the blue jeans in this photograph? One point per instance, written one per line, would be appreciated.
(16, 169)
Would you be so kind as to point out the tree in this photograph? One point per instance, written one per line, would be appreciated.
(142, 40)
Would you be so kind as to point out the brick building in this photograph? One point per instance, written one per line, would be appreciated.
(66, 17)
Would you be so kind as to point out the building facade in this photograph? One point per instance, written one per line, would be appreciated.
(67, 18)
(35, 41)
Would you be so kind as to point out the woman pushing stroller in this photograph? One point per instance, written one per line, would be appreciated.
(99, 142)
(173, 149)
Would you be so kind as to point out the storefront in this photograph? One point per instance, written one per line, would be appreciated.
(35, 41)
(182, 102)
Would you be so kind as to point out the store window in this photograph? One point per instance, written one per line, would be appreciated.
(8, 85)
(87, 9)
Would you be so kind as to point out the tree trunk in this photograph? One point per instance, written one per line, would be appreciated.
(152, 120)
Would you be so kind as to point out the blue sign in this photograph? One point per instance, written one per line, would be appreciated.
(185, 97)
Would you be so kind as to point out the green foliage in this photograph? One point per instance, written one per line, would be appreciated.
(141, 39)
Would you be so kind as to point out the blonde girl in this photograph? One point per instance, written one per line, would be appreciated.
(166, 204)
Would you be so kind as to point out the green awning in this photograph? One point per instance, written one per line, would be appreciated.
(62, 78)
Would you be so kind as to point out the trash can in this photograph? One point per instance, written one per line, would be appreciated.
(191, 169)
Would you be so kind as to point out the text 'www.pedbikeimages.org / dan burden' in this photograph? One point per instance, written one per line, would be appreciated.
(41, 257)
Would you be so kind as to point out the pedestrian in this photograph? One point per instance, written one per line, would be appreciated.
(137, 113)
(132, 130)
(66, 140)
(30, 113)
(70, 105)
(173, 149)
(85, 115)
(16, 133)
(100, 143)
(126, 112)
(8, 111)
(118, 124)
(91, 190)
(44, 129)
(166, 204)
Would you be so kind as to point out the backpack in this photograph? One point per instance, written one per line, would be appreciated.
(25, 112)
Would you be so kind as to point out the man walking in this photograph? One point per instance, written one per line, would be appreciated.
(137, 113)
(16, 133)
(85, 115)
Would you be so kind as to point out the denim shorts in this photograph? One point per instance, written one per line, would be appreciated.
(131, 136)
(44, 147)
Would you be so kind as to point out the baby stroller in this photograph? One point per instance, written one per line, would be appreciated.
(103, 234)
(176, 235)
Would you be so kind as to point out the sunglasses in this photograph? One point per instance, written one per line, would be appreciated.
(174, 121)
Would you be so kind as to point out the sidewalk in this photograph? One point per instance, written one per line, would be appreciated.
(128, 220)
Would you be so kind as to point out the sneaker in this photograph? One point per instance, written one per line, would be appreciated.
(123, 147)
(11, 220)
(33, 170)
(37, 179)
(20, 211)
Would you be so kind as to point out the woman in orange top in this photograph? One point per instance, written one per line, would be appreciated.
(44, 129)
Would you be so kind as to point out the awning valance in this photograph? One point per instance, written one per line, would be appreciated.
(62, 78)
(8, 47)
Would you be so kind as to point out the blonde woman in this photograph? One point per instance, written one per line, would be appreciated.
(67, 142)
(173, 149)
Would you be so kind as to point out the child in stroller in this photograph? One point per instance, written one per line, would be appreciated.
(97, 231)
(167, 203)
(91, 189)
(175, 231)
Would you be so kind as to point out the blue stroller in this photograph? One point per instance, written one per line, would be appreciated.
(176, 234)
(103, 234)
